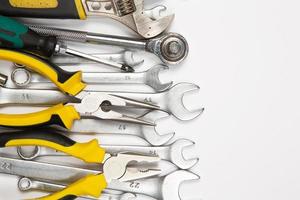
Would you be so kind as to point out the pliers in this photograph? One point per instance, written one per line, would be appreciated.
(82, 103)
(113, 167)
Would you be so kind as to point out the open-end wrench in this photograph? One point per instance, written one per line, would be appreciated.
(173, 153)
(38, 97)
(125, 57)
(162, 188)
(22, 77)
(171, 48)
(170, 101)
(27, 184)
(150, 133)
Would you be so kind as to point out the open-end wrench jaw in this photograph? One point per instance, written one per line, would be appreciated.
(180, 160)
(172, 183)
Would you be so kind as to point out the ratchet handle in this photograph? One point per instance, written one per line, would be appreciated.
(15, 35)
(91, 185)
(69, 82)
(57, 115)
(90, 152)
(60, 9)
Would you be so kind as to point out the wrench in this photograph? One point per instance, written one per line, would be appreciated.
(172, 153)
(21, 77)
(166, 187)
(170, 101)
(126, 57)
(150, 133)
(38, 97)
(163, 188)
(27, 184)
(171, 48)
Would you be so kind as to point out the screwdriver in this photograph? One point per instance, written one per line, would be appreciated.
(15, 35)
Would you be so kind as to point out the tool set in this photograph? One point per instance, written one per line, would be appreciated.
(46, 147)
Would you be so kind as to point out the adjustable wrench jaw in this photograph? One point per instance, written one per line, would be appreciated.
(146, 26)
(131, 13)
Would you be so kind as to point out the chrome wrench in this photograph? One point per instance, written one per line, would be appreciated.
(22, 77)
(126, 57)
(27, 184)
(170, 101)
(173, 153)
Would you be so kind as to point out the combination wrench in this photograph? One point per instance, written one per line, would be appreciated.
(28, 184)
(23, 78)
(169, 101)
(125, 57)
(173, 153)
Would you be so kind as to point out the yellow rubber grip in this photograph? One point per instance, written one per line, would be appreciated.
(80, 9)
(56, 115)
(66, 81)
(91, 185)
(90, 152)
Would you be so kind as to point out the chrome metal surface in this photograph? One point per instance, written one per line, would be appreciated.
(163, 188)
(125, 57)
(171, 48)
(131, 13)
(173, 153)
(73, 52)
(27, 184)
(21, 77)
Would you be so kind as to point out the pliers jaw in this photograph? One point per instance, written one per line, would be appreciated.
(117, 167)
(100, 105)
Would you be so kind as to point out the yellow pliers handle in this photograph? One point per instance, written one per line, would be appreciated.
(91, 185)
(68, 82)
(90, 152)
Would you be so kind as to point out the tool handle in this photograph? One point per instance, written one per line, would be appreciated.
(91, 185)
(57, 115)
(60, 9)
(15, 35)
(69, 82)
(90, 152)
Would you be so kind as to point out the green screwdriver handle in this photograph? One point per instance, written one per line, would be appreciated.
(15, 35)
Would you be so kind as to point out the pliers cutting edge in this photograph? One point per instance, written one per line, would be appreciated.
(113, 167)
(83, 103)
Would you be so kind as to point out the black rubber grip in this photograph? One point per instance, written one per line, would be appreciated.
(69, 197)
(42, 45)
(65, 9)
(63, 75)
(50, 135)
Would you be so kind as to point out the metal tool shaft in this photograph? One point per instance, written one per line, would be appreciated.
(171, 48)
(44, 171)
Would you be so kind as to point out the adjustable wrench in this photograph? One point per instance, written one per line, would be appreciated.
(129, 12)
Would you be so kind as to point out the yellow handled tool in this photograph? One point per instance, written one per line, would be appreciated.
(112, 167)
(69, 82)
(82, 103)
(147, 23)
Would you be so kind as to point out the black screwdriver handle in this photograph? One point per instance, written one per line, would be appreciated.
(15, 35)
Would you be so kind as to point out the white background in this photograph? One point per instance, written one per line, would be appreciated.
(244, 55)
